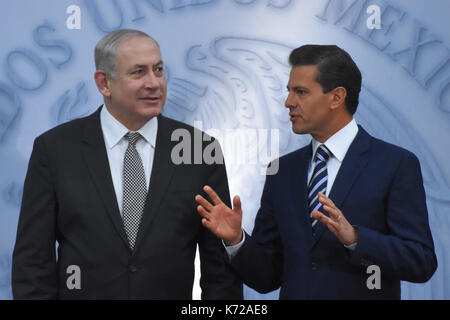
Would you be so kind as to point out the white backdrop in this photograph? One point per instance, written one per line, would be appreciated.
(227, 70)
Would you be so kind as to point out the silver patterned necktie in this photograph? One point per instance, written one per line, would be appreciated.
(318, 182)
(134, 188)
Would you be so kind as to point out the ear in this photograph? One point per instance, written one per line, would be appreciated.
(103, 83)
(338, 96)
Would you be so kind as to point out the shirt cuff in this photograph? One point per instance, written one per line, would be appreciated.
(233, 250)
(352, 246)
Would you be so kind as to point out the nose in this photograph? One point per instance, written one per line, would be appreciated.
(289, 103)
(151, 81)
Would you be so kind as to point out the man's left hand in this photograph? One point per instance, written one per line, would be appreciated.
(336, 222)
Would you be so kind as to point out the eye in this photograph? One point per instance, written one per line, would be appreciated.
(159, 70)
(298, 91)
(138, 71)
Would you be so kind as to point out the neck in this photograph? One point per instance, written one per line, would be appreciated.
(131, 123)
(338, 125)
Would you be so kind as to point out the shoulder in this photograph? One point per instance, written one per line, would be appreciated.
(289, 162)
(177, 129)
(391, 151)
(385, 155)
(296, 156)
(68, 129)
(70, 134)
(296, 153)
(171, 124)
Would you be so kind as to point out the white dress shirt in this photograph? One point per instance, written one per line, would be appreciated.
(338, 144)
(117, 144)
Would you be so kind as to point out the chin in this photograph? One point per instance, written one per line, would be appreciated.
(150, 112)
(298, 130)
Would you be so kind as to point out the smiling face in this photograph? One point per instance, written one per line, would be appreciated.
(139, 91)
(310, 109)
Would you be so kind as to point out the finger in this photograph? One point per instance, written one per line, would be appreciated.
(203, 202)
(205, 214)
(334, 213)
(319, 216)
(237, 204)
(329, 206)
(212, 195)
(207, 223)
(324, 219)
(323, 199)
(329, 223)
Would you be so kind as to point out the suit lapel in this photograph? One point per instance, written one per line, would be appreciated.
(94, 151)
(354, 162)
(162, 172)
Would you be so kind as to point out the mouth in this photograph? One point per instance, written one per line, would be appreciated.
(293, 117)
(151, 99)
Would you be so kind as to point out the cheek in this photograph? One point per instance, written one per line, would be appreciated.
(126, 89)
(163, 86)
(164, 93)
(318, 107)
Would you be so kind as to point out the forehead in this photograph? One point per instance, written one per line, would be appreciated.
(138, 50)
(303, 76)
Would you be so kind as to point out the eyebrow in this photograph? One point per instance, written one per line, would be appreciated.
(296, 88)
(145, 66)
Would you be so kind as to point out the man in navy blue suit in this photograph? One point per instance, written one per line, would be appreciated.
(345, 217)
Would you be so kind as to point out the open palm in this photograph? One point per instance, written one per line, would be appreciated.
(223, 221)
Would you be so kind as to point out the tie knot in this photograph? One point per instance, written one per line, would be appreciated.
(133, 137)
(323, 154)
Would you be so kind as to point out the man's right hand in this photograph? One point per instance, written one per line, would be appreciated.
(223, 221)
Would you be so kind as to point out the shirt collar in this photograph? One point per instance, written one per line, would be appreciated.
(339, 143)
(114, 131)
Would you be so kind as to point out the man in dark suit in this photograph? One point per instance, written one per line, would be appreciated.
(108, 189)
(344, 217)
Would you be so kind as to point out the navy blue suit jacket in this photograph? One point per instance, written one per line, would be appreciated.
(379, 189)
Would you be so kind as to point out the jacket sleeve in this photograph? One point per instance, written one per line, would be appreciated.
(218, 280)
(34, 274)
(406, 252)
(259, 261)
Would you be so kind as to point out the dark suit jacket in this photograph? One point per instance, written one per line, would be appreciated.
(379, 189)
(69, 198)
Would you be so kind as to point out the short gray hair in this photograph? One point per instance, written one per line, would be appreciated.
(106, 49)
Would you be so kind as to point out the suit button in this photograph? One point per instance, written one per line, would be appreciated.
(132, 268)
(314, 266)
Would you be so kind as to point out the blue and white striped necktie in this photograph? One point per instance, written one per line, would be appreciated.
(318, 182)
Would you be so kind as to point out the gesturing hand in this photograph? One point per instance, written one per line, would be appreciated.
(336, 223)
(219, 218)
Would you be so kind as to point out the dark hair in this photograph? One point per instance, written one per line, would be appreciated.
(335, 68)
